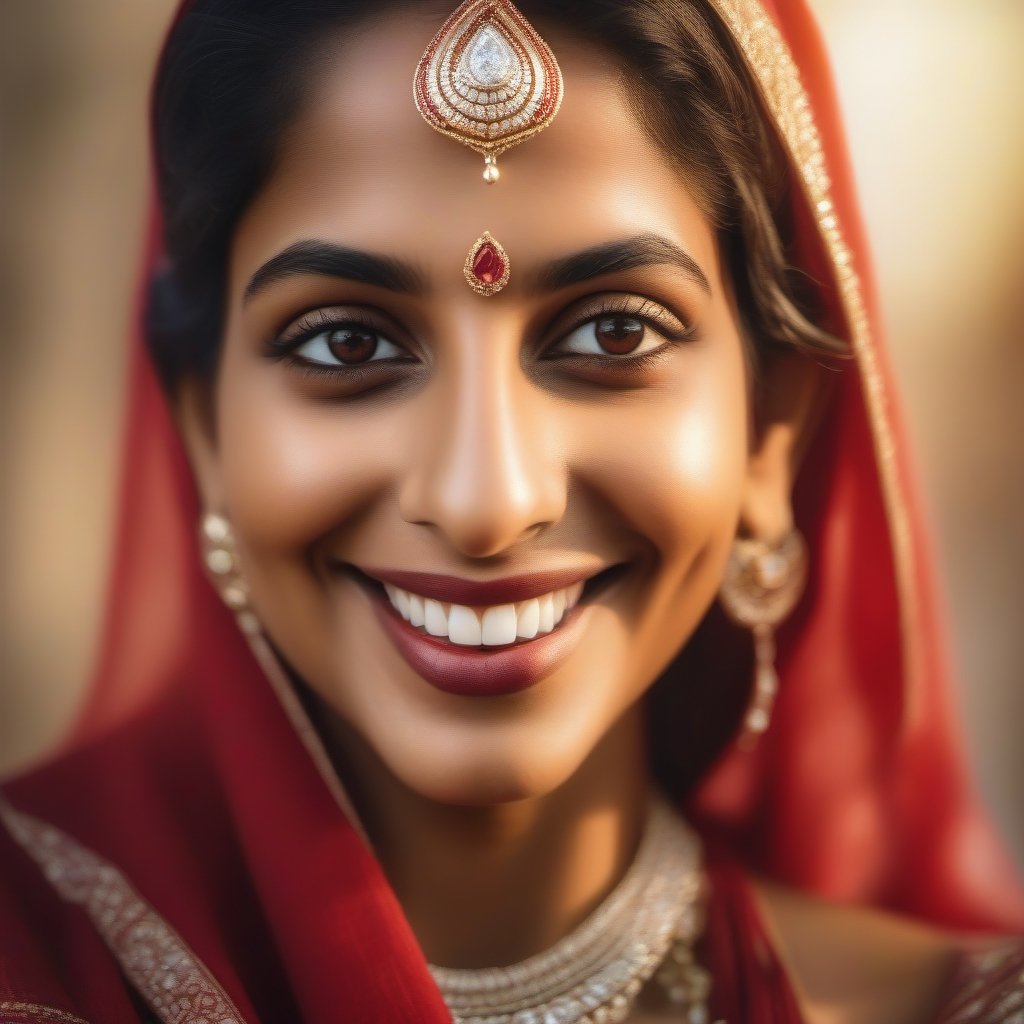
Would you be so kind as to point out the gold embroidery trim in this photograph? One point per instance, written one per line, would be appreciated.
(989, 987)
(773, 68)
(155, 959)
(25, 1012)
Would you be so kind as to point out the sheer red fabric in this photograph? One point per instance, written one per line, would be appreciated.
(188, 777)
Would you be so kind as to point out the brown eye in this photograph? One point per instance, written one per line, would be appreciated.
(619, 335)
(352, 344)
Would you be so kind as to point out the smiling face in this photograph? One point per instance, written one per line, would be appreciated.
(375, 416)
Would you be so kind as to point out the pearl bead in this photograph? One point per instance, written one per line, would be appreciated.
(248, 623)
(216, 528)
(219, 561)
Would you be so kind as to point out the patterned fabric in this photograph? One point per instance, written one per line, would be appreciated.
(988, 987)
(34, 1013)
(160, 966)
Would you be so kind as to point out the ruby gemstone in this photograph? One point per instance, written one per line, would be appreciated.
(488, 266)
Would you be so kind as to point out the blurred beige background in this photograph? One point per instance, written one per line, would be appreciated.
(934, 96)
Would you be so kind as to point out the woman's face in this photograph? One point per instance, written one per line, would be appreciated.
(377, 416)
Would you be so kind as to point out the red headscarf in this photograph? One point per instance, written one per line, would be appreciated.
(191, 825)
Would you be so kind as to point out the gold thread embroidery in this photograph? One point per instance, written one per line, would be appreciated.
(31, 1012)
(155, 959)
(988, 987)
(772, 65)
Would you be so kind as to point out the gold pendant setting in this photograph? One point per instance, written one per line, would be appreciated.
(488, 80)
(487, 267)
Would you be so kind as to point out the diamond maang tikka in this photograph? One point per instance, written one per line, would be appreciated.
(488, 80)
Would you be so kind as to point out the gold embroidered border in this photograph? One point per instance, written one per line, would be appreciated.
(988, 987)
(30, 1013)
(155, 959)
(771, 63)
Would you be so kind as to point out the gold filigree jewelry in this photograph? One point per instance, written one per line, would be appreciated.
(487, 266)
(762, 585)
(221, 560)
(488, 80)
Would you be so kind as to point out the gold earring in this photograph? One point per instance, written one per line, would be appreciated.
(762, 585)
(220, 557)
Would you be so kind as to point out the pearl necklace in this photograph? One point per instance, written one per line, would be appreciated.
(650, 920)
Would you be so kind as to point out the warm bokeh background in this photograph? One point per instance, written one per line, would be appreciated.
(934, 94)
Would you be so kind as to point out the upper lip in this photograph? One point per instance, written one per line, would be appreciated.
(456, 590)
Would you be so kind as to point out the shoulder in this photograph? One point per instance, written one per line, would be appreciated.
(853, 964)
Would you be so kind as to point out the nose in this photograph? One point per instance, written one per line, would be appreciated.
(484, 468)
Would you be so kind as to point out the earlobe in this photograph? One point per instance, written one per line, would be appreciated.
(792, 395)
(194, 414)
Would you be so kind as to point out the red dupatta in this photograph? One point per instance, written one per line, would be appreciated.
(191, 830)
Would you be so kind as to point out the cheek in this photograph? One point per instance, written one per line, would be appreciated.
(295, 469)
(674, 462)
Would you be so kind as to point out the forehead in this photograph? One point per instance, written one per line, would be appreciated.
(360, 165)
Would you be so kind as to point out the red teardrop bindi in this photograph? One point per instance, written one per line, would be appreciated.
(487, 266)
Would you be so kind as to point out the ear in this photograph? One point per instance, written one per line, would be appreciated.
(193, 406)
(791, 394)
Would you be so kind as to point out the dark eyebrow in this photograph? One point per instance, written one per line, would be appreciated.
(614, 257)
(330, 260)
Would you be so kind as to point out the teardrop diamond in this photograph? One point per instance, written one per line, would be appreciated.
(489, 59)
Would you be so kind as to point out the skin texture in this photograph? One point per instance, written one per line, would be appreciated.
(493, 448)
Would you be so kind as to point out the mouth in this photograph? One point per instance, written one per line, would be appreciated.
(485, 650)
(490, 626)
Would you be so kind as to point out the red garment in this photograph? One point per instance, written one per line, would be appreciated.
(227, 863)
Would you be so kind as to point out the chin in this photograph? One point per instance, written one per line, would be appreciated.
(479, 767)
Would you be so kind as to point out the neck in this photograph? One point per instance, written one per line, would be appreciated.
(489, 886)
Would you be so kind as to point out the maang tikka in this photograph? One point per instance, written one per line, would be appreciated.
(762, 585)
(488, 80)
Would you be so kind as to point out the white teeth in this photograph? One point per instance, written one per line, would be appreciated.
(528, 619)
(435, 620)
(497, 626)
(547, 614)
(464, 626)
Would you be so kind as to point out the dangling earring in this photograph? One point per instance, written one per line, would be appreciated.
(221, 559)
(762, 585)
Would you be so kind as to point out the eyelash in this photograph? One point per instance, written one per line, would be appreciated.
(648, 313)
(283, 346)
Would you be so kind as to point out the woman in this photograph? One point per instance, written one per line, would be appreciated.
(471, 460)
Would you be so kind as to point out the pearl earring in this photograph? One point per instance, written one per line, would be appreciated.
(762, 585)
(221, 560)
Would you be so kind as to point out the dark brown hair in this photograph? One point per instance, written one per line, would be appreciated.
(227, 87)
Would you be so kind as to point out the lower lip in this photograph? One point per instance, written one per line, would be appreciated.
(475, 671)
